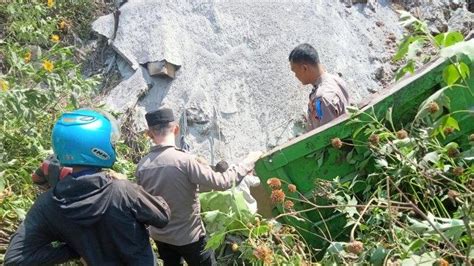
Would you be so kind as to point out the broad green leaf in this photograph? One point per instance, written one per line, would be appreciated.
(440, 98)
(388, 116)
(452, 145)
(431, 157)
(321, 160)
(351, 211)
(381, 163)
(357, 131)
(406, 18)
(453, 38)
(223, 201)
(468, 155)
(466, 48)
(400, 143)
(464, 70)
(363, 164)
(408, 68)
(449, 38)
(439, 39)
(451, 122)
(417, 226)
(353, 109)
(336, 248)
(450, 75)
(215, 241)
(261, 230)
(414, 47)
(403, 48)
(210, 216)
(404, 14)
(349, 155)
(416, 245)
(426, 259)
(378, 256)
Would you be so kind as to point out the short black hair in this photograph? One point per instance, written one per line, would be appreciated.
(163, 129)
(304, 53)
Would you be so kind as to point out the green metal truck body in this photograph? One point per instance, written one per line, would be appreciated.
(310, 157)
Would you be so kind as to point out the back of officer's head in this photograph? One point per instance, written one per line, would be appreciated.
(161, 123)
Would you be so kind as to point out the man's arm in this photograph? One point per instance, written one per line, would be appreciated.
(327, 108)
(32, 243)
(148, 209)
(204, 175)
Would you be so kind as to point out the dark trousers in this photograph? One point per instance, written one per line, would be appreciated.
(194, 254)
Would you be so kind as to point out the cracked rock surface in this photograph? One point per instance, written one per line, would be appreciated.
(234, 83)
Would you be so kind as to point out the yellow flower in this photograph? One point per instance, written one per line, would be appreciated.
(55, 38)
(62, 25)
(27, 57)
(48, 65)
(4, 85)
(50, 3)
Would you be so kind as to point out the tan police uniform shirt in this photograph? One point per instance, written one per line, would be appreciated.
(175, 175)
(327, 100)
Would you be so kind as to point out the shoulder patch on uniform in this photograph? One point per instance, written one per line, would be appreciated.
(318, 108)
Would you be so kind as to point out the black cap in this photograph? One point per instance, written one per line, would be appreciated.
(160, 116)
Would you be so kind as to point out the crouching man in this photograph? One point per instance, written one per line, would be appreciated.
(88, 213)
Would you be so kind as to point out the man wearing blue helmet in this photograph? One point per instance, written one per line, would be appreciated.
(88, 213)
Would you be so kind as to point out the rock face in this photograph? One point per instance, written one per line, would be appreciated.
(442, 15)
(234, 86)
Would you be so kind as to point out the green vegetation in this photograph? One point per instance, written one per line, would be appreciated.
(410, 204)
(416, 205)
(39, 79)
(238, 236)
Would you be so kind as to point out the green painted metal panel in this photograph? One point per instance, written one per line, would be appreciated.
(310, 157)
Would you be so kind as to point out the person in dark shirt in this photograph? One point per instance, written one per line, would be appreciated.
(88, 214)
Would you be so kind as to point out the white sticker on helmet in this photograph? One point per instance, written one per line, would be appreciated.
(100, 154)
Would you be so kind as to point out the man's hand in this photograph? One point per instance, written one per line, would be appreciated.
(50, 172)
(304, 118)
(114, 175)
(251, 159)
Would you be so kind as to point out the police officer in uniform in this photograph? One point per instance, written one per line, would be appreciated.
(175, 175)
(329, 97)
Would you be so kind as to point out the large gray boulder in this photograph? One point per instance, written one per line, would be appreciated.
(461, 20)
(442, 15)
(234, 86)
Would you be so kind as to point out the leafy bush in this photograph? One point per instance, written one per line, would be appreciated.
(39, 79)
(238, 236)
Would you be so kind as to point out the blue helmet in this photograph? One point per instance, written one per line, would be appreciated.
(85, 137)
